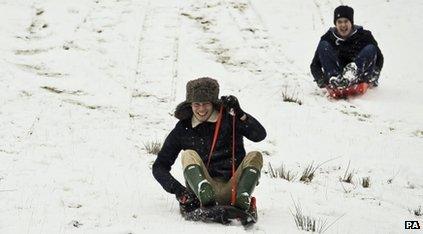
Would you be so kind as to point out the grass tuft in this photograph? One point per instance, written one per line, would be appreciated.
(348, 175)
(309, 223)
(365, 182)
(308, 173)
(152, 147)
(303, 222)
(282, 173)
(290, 97)
(417, 212)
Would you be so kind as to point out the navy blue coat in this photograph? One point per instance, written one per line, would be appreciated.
(347, 50)
(184, 137)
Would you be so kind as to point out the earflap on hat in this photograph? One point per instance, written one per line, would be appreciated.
(183, 111)
(343, 12)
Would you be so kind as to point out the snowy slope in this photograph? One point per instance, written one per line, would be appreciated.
(86, 84)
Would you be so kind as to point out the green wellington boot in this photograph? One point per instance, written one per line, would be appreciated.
(246, 185)
(201, 187)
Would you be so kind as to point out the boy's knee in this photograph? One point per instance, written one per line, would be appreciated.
(189, 153)
(190, 157)
(254, 159)
(370, 49)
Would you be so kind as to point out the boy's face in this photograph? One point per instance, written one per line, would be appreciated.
(202, 110)
(343, 27)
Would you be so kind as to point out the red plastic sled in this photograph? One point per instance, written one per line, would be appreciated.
(353, 90)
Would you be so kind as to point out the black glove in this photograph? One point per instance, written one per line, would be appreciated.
(187, 201)
(321, 83)
(231, 102)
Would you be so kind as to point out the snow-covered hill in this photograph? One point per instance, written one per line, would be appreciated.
(86, 84)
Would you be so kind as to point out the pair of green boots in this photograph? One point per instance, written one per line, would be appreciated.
(202, 188)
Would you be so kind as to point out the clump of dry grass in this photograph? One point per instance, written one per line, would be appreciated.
(305, 222)
(152, 147)
(306, 176)
(282, 173)
(348, 175)
(417, 212)
(308, 173)
(290, 96)
(390, 180)
(365, 182)
(309, 223)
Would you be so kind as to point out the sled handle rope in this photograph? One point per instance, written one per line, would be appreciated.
(233, 190)
(215, 135)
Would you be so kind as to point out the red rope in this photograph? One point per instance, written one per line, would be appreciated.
(215, 135)
(233, 190)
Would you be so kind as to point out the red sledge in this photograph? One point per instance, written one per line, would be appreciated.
(353, 90)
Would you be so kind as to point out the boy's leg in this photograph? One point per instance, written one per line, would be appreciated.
(198, 178)
(246, 178)
(366, 63)
(329, 59)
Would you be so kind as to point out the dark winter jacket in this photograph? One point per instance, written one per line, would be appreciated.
(199, 138)
(347, 49)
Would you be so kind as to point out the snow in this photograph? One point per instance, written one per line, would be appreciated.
(86, 83)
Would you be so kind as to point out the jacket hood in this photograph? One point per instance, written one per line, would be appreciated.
(355, 29)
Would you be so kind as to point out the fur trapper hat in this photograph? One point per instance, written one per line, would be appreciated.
(203, 89)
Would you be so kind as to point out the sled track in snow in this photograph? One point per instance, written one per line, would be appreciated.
(168, 55)
(174, 82)
(156, 68)
(319, 12)
(252, 28)
(137, 76)
(140, 44)
(272, 59)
